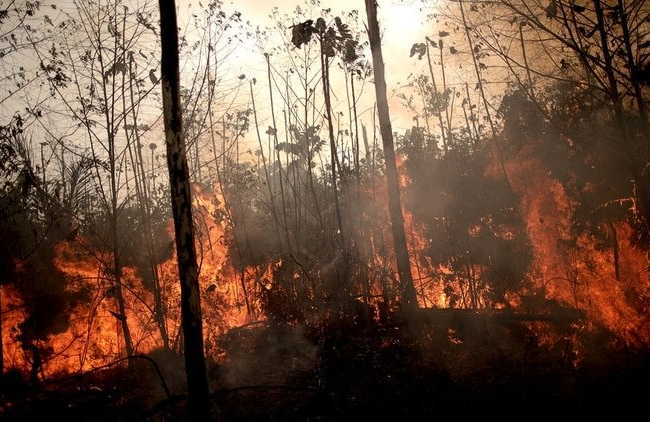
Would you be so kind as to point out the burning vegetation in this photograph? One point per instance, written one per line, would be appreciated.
(494, 252)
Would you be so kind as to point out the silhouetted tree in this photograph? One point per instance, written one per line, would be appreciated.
(179, 183)
(394, 203)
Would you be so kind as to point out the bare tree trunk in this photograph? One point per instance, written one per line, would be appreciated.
(109, 100)
(394, 205)
(274, 213)
(435, 89)
(450, 134)
(117, 264)
(632, 65)
(195, 368)
(142, 194)
(472, 117)
(117, 277)
(525, 57)
(468, 127)
(277, 155)
(366, 145)
(357, 170)
(333, 153)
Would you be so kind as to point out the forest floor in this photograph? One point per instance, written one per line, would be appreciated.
(351, 369)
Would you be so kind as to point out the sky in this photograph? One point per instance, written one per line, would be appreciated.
(403, 23)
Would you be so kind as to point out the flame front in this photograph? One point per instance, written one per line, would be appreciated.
(578, 274)
(94, 336)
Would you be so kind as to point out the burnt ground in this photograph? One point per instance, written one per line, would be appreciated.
(453, 363)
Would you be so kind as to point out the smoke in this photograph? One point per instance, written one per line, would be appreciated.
(266, 354)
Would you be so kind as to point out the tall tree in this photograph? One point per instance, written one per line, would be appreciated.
(197, 382)
(407, 289)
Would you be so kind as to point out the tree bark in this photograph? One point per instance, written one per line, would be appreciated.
(195, 368)
(407, 289)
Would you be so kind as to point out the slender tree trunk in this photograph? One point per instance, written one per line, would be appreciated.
(632, 65)
(277, 156)
(109, 100)
(472, 118)
(195, 368)
(117, 264)
(117, 277)
(525, 57)
(435, 89)
(394, 204)
(357, 168)
(333, 153)
(274, 213)
(308, 147)
(467, 126)
(142, 195)
(366, 146)
(450, 134)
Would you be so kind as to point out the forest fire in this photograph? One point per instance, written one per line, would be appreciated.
(93, 336)
(581, 275)
(284, 219)
(600, 279)
(429, 287)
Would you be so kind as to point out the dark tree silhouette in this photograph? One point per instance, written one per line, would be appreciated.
(197, 382)
(407, 289)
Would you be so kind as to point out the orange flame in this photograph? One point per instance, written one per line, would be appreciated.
(94, 337)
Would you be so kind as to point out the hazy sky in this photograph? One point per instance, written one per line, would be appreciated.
(403, 22)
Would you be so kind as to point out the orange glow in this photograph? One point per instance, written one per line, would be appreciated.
(94, 337)
(581, 276)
